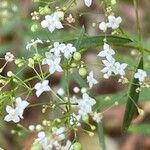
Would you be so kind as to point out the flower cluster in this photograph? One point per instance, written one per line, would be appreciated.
(111, 66)
(15, 114)
(113, 22)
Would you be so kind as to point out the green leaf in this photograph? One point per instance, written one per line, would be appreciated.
(101, 135)
(75, 76)
(95, 41)
(133, 98)
(79, 40)
(140, 128)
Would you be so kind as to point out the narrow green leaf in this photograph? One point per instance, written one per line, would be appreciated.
(79, 40)
(75, 76)
(95, 41)
(140, 128)
(133, 98)
(101, 136)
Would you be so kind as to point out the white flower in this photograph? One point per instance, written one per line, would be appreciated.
(140, 74)
(103, 26)
(54, 65)
(97, 117)
(9, 57)
(15, 114)
(75, 119)
(52, 21)
(114, 22)
(85, 104)
(58, 134)
(68, 50)
(91, 80)
(33, 43)
(44, 141)
(88, 2)
(109, 67)
(57, 48)
(41, 87)
(120, 68)
(107, 52)
(53, 62)
(48, 56)
(21, 105)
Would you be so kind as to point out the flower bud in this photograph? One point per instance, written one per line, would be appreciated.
(77, 56)
(10, 74)
(77, 146)
(82, 72)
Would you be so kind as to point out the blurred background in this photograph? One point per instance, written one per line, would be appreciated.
(17, 27)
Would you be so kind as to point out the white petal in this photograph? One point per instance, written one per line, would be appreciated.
(88, 2)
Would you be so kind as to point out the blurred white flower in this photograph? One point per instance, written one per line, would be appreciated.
(15, 114)
(54, 65)
(57, 49)
(53, 62)
(103, 26)
(44, 141)
(58, 134)
(120, 68)
(9, 57)
(68, 50)
(140, 74)
(52, 21)
(88, 2)
(41, 87)
(109, 67)
(85, 104)
(91, 80)
(33, 43)
(114, 22)
(75, 119)
(107, 52)
(97, 117)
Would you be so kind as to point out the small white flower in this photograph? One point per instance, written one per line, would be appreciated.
(75, 119)
(85, 104)
(52, 21)
(48, 56)
(114, 22)
(57, 49)
(54, 65)
(44, 141)
(9, 57)
(91, 80)
(33, 43)
(68, 50)
(88, 2)
(107, 52)
(103, 26)
(21, 105)
(120, 68)
(58, 134)
(15, 114)
(53, 62)
(40, 87)
(140, 74)
(109, 67)
(97, 117)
